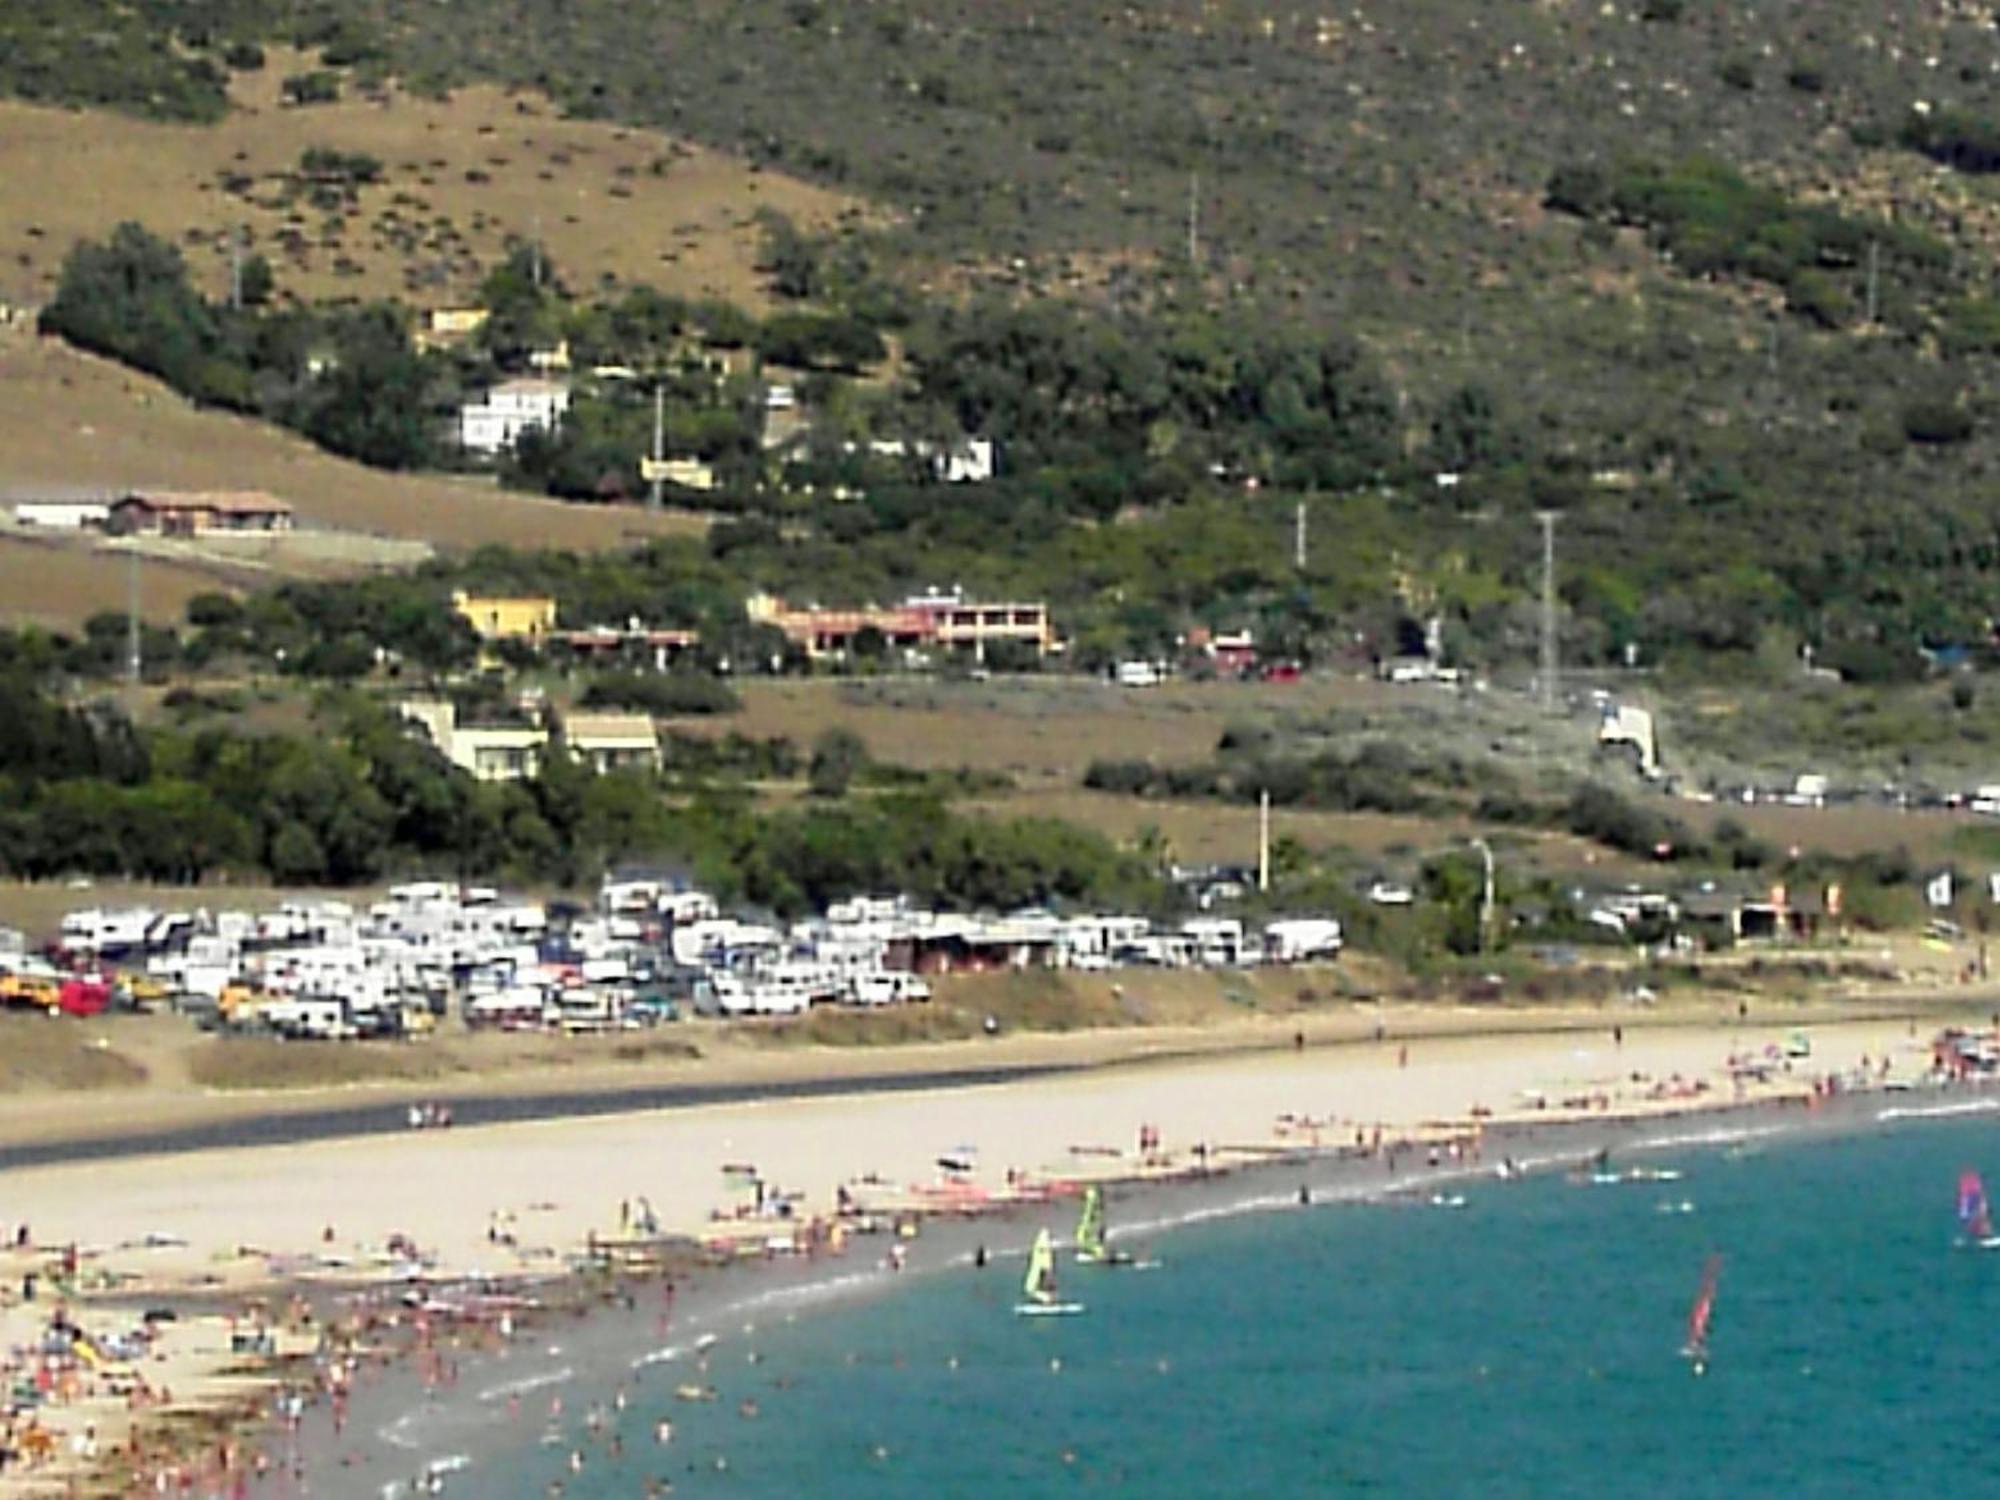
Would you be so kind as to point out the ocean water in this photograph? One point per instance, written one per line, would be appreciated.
(1526, 1344)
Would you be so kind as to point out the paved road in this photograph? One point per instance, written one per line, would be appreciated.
(296, 1126)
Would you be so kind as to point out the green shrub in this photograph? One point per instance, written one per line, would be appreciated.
(668, 694)
(1936, 420)
(315, 87)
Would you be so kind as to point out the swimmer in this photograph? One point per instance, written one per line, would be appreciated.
(663, 1432)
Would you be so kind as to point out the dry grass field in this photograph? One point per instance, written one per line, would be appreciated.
(1927, 834)
(460, 177)
(1043, 734)
(58, 585)
(1040, 731)
(71, 421)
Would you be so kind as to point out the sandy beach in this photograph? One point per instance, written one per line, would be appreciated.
(525, 1199)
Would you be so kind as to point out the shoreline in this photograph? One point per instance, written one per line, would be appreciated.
(425, 1314)
(410, 1430)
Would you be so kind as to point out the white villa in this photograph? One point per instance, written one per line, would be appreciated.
(510, 409)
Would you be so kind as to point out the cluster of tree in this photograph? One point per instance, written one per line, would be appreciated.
(1712, 221)
(1957, 138)
(1110, 412)
(346, 377)
(799, 861)
(83, 791)
(145, 59)
(667, 694)
(1376, 776)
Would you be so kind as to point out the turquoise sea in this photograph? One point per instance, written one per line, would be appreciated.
(1525, 1344)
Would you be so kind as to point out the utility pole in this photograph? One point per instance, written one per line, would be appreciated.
(236, 268)
(1874, 279)
(1264, 840)
(535, 254)
(1486, 893)
(1194, 219)
(1548, 683)
(1299, 537)
(659, 443)
(133, 662)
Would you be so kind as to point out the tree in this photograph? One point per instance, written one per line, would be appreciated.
(1466, 431)
(837, 755)
(790, 259)
(257, 282)
(522, 299)
(375, 403)
(130, 298)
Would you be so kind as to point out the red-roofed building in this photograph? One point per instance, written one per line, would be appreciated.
(199, 513)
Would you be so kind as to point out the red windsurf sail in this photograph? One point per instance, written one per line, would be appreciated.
(1704, 1307)
(1973, 1215)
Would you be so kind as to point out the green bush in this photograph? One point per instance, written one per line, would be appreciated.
(667, 694)
(315, 87)
(1963, 141)
(1936, 420)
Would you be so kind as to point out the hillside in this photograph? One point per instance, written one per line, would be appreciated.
(1709, 279)
(459, 178)
(70, 421)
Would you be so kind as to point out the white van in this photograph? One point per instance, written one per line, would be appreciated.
(1137, 674)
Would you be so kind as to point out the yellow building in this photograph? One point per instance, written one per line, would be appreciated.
(499, 619)
(448, 327)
